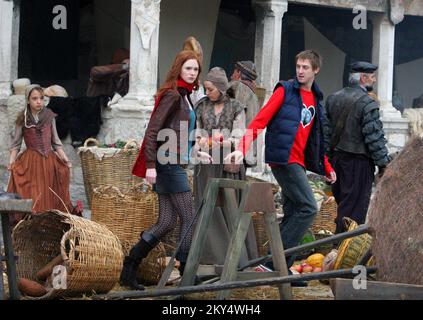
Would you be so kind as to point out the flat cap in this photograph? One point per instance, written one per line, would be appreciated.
(247, 68)
(363, 66)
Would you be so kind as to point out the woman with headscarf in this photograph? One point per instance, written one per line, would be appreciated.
(220, 125)
(43, 169)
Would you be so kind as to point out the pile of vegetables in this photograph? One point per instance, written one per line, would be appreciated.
(313, 263)
(120, 144)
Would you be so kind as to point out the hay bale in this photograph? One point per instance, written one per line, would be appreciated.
(396, 216)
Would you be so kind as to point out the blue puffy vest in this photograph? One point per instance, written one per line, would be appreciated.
(282, 129)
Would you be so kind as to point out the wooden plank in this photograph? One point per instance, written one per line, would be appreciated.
(200, 233)
(232, 184)
(134, 294)
(10, 262)
(15, 205)
(231, 213)
(260, 198)
(343, 290)
(278, 255)
(235, 245)
(251, 275)
(234, 252)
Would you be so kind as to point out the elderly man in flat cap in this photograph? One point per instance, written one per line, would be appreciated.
(243, 89)
(355, 137)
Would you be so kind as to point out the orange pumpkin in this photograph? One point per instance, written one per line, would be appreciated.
(315, 260)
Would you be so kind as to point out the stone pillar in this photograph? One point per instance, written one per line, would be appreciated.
(129, 117)
(269, 14)
(9, 34)
(395, 126)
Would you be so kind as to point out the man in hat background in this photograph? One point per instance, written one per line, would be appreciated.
(355, 137)
(243, 89)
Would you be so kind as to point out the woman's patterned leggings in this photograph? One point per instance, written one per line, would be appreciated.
(170, 206)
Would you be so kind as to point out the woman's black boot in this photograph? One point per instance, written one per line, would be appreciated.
(132, 261)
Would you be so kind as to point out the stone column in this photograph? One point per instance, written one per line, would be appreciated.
(269, 14)
(395, 127)
(9, 34)
(128, 118)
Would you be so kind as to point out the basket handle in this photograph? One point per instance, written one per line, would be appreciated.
(91, 140)
(65, 237)
(106, 188)
(131, 143)
(330, 199)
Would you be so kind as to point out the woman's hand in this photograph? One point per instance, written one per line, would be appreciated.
(10, 165)
(151, 176)
(204, 157)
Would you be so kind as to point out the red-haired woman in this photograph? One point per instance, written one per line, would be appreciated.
(162, 163)
(38, 168)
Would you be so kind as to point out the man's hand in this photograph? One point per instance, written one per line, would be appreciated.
(237, 155)
(331, 178)
(204, 157)
(151, 176)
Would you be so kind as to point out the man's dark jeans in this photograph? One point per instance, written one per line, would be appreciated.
(299, 205)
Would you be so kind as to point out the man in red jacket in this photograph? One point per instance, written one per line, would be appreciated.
(294, 143)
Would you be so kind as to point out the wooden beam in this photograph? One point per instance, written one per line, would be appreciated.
(343, 290)
(225, 286)
(16, 205)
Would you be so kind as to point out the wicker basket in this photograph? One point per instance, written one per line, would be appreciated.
(114, 169)
(352, 250)
(127, 214)
(92, 254)
(325, 218)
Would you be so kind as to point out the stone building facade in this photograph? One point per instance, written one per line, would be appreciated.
(152, 50)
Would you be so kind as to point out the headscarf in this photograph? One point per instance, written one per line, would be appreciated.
(217, 76)
(44, 116)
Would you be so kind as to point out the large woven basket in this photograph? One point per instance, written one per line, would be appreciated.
(92, 254)
(325, 218)
(127, 213)
(114, 168)
(352, 250)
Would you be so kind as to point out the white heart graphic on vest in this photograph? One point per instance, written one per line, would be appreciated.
(307, 115)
